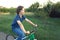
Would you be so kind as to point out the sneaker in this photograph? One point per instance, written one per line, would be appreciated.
(35, 39)
(14, 39)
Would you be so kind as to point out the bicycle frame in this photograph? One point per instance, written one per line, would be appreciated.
(31, 36)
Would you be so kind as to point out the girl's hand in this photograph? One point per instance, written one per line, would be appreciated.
(27, 32)
(35, 25)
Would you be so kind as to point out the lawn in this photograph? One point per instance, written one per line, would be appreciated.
(48, 29)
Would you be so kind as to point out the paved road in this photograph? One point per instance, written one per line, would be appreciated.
(3, 36)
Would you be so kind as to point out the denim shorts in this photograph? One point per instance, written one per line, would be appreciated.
(19, 33)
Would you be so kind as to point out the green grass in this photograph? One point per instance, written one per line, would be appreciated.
(48, 29)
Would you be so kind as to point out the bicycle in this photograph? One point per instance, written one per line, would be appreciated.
(30, 36)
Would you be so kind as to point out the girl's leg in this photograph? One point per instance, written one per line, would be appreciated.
(20, 33)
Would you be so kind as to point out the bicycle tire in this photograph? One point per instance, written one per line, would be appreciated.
(9, 37)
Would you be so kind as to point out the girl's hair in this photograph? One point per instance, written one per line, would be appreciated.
(19, 8)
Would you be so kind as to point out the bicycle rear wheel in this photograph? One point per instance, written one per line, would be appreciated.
(10, 37)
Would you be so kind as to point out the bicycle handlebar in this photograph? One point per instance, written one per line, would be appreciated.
(33, 30)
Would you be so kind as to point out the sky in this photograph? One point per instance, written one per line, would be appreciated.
(25, 3)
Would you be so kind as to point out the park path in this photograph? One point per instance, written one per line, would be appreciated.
(3, 36)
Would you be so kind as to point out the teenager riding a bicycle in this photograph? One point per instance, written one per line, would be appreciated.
(17, 26)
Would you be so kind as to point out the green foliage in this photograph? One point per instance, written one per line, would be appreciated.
(39, 11)
(55, 10)
(12, 10)
(5, 10)
(33, 7)
(47, 8)
(45, 11)
(46, 31)
(57, 7)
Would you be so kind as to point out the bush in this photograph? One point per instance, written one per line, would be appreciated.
(12, 10)
(39, 12)
(55, 10)
(5, 10)
(33, 7)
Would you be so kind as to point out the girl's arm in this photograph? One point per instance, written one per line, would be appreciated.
(30, 22)
(22, 27)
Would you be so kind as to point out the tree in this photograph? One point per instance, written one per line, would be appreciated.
(34, 7)
(12, 10)
(55, 10)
